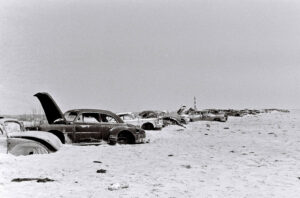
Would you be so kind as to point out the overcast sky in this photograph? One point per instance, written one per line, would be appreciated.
(124, 55)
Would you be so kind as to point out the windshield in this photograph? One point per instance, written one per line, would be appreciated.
(12, 127)
(70, 116)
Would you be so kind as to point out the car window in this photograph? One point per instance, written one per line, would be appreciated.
(108, 118)
(12, 127)
(126, 117)
(88, 118)
(70, 116)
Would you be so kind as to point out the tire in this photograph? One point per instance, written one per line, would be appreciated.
(29, 148)
(183, 121)
(125, 138)
(148, 126)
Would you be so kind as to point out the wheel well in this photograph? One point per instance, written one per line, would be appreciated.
(129, 135)
(147, 126)
(60, 135)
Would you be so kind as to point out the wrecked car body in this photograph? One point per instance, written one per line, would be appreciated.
(149, 123)
(208, 116)
(79, 126)
(167, 118)
(15, 140)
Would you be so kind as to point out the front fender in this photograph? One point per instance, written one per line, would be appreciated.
(138, 133)
(47, 139)
(118, 129)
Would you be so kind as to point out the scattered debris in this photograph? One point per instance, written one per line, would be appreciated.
(101, 171)
(39, 180)
(117, 186)
(187, 166)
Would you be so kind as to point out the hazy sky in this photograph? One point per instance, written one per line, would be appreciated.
(133, 55)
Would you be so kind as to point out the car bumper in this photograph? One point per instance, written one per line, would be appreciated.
(140, 138)
(158, 126)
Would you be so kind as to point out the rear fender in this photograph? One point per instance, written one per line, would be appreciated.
(49, 140)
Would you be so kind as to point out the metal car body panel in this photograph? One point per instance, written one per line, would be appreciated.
(47, 139)
(11, 138)
(52, 111)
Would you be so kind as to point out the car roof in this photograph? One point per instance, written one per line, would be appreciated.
(91, 110)
(125, 113)
(97, 111)
(3, 119)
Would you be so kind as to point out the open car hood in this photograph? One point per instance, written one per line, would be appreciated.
(51, 109)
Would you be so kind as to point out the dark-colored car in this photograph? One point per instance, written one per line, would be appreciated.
(87, 125)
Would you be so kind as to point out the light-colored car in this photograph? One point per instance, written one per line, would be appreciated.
(206, 116)
(144, 123)
(15, 140)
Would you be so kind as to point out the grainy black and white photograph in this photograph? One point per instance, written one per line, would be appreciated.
(149, 98)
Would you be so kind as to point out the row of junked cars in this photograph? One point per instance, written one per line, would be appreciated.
(90, 127)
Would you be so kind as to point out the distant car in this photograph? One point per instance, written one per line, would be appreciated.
(204, 116)
(144, 123)
(167, 118)
(87, 125)
(15, 140)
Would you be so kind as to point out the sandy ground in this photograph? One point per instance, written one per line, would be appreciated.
(253, 156)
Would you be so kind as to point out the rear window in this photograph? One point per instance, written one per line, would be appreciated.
(108, 118)
(12, 127)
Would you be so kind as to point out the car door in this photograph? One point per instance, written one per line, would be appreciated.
(107, 123)
(87, 128)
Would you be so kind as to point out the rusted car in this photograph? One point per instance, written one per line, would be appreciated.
(144, 123)
(167, 118)
(87, 126)
(206, 116)
(15, 140)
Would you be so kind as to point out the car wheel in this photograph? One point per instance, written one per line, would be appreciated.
(148, 126)
(125, 138)
(29, 148)
(122, 139)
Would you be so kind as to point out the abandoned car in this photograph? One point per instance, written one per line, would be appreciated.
(89, 126)
(15, 140)
(167, 118)
(144, 123)
(207, 116)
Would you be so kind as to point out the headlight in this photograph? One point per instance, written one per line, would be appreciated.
(160, 121)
